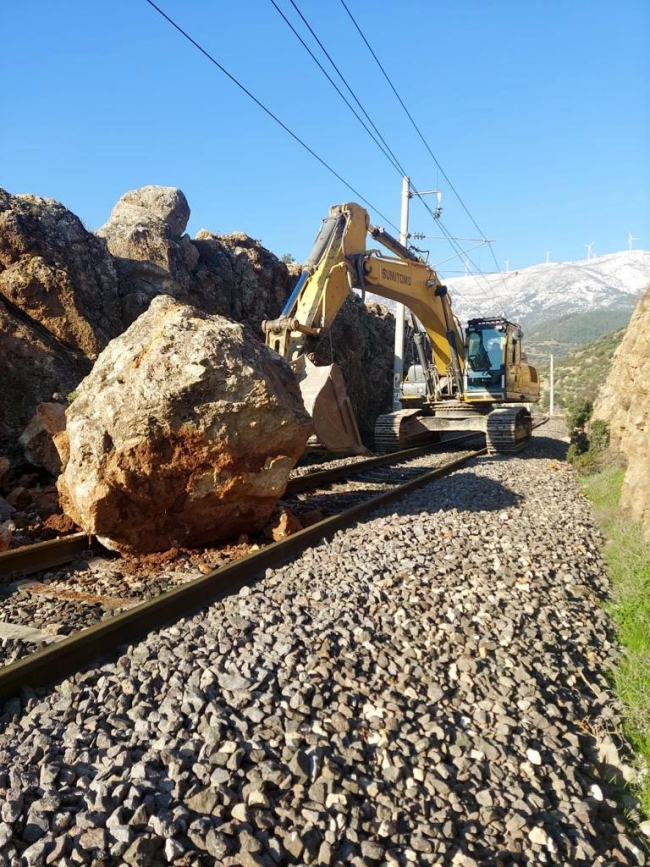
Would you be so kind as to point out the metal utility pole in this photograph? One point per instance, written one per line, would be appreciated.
(551, 406)
(398, 358)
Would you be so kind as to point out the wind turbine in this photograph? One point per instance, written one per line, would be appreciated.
(466, 267)
(548, 256)
(630, 241)
(507, 266)
(589, 246)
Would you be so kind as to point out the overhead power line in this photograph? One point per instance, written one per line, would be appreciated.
(345, 82)
(384, 148)
(419, 132)
(267, 111)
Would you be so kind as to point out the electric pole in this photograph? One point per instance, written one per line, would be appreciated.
(398, 358)
(551, 407)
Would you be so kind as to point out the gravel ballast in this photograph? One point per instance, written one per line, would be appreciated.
(427, 688)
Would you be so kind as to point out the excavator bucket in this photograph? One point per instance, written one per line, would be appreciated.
(326, 400)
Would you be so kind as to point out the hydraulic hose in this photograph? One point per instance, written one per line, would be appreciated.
(323, 239)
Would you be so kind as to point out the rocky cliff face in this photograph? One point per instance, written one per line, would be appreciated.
(65, 292)
(59, 306)
(624, 402)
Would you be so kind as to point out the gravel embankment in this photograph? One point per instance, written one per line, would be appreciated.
(428, 688)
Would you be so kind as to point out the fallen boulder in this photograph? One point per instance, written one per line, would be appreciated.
(37, 439)
(183, 434)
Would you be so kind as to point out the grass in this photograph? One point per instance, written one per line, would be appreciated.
(627, 554)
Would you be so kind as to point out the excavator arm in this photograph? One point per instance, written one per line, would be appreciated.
(339, 262)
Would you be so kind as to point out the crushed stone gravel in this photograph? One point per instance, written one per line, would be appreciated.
(429, 688)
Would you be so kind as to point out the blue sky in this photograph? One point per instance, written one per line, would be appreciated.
(537, 110)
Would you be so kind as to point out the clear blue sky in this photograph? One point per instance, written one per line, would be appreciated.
(537, 110)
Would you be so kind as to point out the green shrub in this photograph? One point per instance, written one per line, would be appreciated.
(589, 442)
(598, 435)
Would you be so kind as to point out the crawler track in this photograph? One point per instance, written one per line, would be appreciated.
(96, 642)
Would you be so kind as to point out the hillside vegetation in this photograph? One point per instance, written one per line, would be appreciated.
(564, 335)
(580, 374)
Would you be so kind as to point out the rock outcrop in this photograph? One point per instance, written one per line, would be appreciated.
(57, 274)
(34, 365)
(237, 277)
(65, 292)
(183, 434)
(59, 306)
(624, 402)
(361, 342)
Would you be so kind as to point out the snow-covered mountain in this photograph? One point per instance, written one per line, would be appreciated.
(555, 290)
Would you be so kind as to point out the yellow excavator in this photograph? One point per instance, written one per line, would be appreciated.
(458, 383)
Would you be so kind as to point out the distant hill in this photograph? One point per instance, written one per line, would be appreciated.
(562, 336)
(581, 373)
(557, 291)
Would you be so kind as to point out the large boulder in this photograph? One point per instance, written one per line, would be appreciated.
(183, 434)
(145, 233)
(624, 402)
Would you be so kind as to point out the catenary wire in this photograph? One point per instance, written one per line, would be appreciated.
(293, 135)
(417, 129)
(345, 82)
(268, 111)
(389, 155)
(460, 252)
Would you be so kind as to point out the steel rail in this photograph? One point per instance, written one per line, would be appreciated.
(324, 477)
(45, 555)
(19, 562)
(99, 642)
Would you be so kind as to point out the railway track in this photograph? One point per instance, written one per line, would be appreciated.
(126, 618)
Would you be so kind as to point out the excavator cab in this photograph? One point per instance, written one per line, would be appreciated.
(496, 369)
(485, 360)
